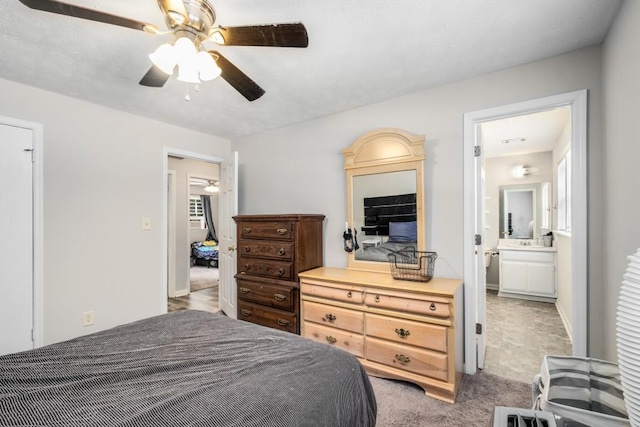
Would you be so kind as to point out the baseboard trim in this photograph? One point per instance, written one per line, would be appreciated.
(182, 293)
(493, 287)
(565, 321)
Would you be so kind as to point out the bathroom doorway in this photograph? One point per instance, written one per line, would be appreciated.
(478, 209)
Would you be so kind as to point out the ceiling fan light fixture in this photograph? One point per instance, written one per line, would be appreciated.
(164, 58)
(188, 72)
(184, 50)
(207, 67)
(212, 187)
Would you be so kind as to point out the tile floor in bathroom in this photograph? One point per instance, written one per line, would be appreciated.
(519, 333)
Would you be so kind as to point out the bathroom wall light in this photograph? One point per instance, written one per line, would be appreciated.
(521, 171)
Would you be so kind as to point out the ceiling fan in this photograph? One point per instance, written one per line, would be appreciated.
(192, 23)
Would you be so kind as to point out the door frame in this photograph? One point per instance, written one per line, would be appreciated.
(578, 102)
(37, 226)
(166, 152)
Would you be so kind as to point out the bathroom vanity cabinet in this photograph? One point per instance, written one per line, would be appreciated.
(528, 272)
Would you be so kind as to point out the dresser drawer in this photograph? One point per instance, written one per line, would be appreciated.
(353, 343)
(355, 296)
(424, 335)
(266, 249)
(423, 362)
(267, 316)
(336, 317)
(272, 230)
(408, 303)
(282, 297)
(266, 268)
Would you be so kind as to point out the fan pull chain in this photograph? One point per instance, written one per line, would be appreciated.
(187, 97)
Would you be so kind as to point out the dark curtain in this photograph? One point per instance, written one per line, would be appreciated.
(206, 206)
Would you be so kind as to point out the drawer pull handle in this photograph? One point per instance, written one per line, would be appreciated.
(246, 230)
(246, 312)
(279, 297)
(247, 267)
(281, 251)
(377, 299)
(282, 231)
(280, 271)
(432, 307)
(247, 249)
(283, 322)
(403, 333)
(349, 294)
(244, 290)
(402, 359)
(329, 318)
(331, 340)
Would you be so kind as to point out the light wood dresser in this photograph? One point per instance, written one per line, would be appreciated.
(398, 329)
(272, 250)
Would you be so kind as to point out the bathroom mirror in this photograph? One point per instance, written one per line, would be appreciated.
(385, 196)
(524, 210)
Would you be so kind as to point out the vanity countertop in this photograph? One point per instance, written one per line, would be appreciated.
(523, 245)
(530, 248)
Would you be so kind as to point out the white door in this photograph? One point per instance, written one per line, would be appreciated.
(171, 234)
(16, 244)
(480, 269)
(228, 208)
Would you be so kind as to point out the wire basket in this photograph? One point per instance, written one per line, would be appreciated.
(410, 264)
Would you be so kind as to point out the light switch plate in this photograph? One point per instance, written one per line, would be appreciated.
(146, 223)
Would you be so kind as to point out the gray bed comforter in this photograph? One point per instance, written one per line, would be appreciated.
(187, 368)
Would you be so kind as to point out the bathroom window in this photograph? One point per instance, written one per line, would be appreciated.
(564, 193)
(546, 205)
(196, 212)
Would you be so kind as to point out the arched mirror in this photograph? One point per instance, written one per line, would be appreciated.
(385, 196)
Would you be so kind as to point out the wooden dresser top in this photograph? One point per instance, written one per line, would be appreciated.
(437, 285)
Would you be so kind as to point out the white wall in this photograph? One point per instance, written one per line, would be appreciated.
(304, 172)
(103, 172)
(621, 59)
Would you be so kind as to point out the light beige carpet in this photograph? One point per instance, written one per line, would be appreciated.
(402, 404)
(202, 277)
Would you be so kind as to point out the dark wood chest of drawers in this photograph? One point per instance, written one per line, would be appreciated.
(272, 250)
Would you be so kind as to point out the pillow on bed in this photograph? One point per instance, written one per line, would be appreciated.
(209, 243)
(401, 232)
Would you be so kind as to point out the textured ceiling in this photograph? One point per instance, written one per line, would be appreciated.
(360, 52)
(528, 133)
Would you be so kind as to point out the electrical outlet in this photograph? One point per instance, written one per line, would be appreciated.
(88, 318)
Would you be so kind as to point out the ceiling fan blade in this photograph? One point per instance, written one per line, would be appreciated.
(276, 35)
(90, 14)
(154, 77)
(236, 78)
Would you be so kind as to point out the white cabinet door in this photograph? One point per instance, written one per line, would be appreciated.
(513, 276)
(541, 279)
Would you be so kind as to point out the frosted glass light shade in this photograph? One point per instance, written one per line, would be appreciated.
(164, 58)
(207, 66)
(188, 72)
(185, 50)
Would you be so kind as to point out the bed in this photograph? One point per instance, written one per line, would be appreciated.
(205, 253)
(389, 225)
(186, 368)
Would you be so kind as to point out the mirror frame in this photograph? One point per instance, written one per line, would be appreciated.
(381, 151)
